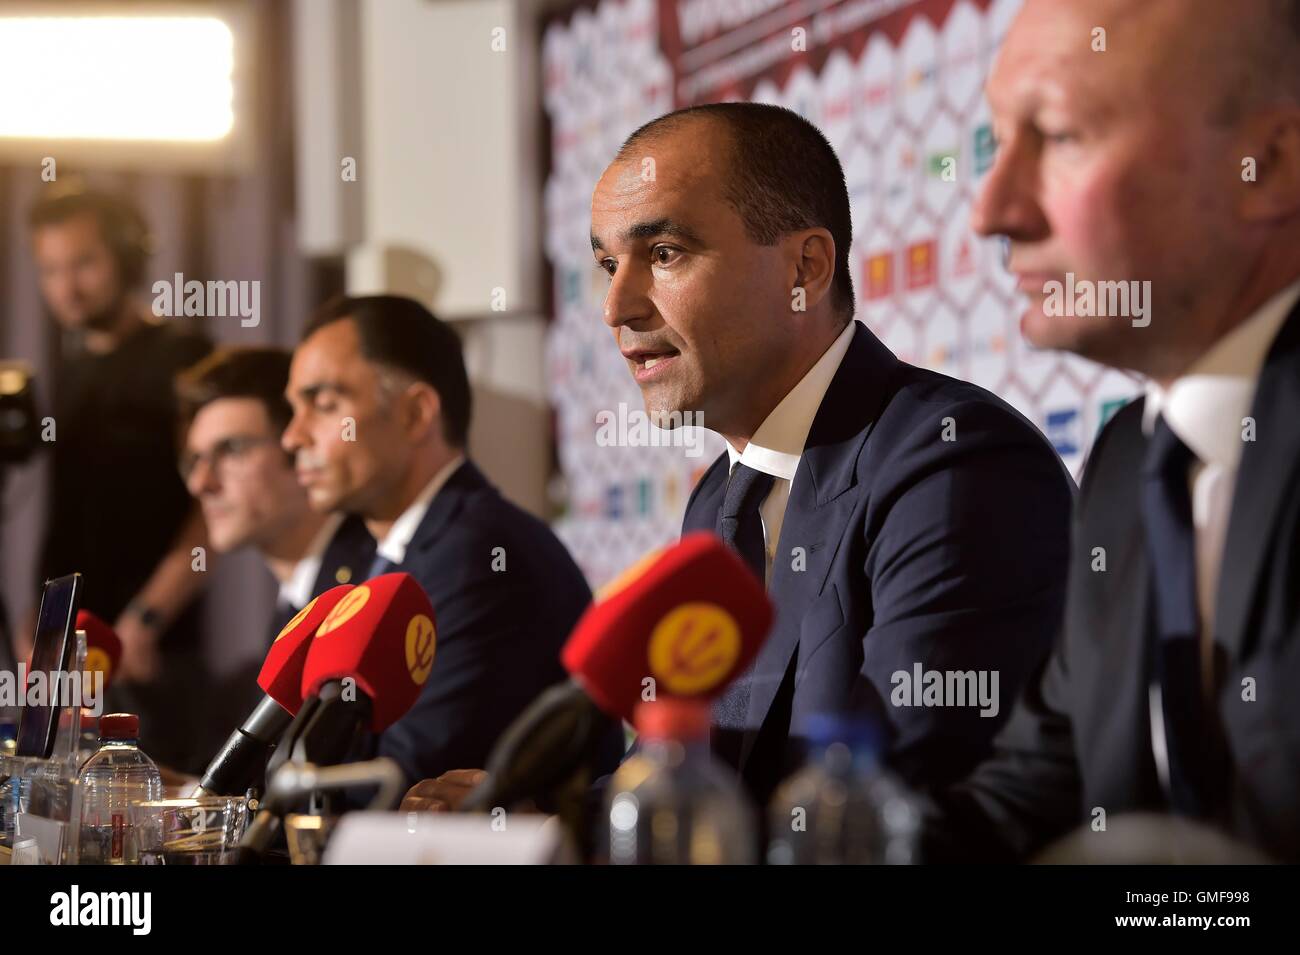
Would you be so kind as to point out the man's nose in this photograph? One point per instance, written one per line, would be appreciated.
(290, 440)
(1007, 203)
(628, 297)
(202, 478)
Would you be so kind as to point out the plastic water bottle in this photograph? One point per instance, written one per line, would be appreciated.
(672, 803)
(116, 778)
(843, 807)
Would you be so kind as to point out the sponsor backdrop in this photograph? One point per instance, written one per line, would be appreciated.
(896, 87)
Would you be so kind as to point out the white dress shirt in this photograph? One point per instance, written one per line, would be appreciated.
(778, 444)
(1205, 408)
(393, 546)
(296, 591)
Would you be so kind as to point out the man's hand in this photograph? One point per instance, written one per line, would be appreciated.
(139, 661)
(444, 794)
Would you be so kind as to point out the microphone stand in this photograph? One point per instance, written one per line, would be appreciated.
(293, 780)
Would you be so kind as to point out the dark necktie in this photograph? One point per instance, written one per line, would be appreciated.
(741, 527)
(739, 522)
(380, 565)
(1197, 768)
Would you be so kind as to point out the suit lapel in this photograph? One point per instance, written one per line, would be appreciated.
(1266, 478)
(818, 510)
(449, 499)
(703, 508)
(347, 555)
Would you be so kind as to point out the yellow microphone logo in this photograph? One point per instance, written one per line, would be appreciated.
(297, 618)
(694, 648)
(345, 609)
(98, 661)
(420, 643)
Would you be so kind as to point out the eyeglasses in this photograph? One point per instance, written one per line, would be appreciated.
(225, 455)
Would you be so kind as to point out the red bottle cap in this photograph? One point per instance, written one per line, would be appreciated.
(673, 718)
(119, 726)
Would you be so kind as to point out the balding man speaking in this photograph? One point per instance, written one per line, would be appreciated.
(910, 527)
(1169, 163)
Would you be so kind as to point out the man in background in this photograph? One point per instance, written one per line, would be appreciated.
(117, 509)
(233, 413)
(381, 404)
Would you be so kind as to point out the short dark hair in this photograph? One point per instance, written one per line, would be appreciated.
(121, 225)
(255, 372)
(400, 333)
(785, 176)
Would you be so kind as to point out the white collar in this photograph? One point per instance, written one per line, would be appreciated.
(393, 546)
(1206, 404)
(297, 589)
(779, 441)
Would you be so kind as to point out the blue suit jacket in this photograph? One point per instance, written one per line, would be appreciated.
(499, 631)
(914, 549)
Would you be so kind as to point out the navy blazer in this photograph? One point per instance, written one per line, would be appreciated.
(346, 559)
(928, 522)
(505, 596)
(1081, 739)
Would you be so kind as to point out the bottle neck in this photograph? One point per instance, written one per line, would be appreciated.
(673, 750)
(840, 757)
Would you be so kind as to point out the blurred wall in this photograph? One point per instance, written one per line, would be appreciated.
(450, 173)
(207, 226)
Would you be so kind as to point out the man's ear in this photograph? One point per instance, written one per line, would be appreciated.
(1270, 170)
(423, 409)
(813, 256)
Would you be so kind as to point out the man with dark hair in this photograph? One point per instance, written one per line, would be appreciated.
(117, 510)
(381, 405)
(1171, 688)
(233, 412)
(902, 520)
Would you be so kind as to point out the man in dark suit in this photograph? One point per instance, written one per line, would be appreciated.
(907, 524)
(381, 405)
(233, 411)
(1171, 688)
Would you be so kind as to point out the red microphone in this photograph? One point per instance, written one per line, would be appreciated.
(382, 637)
(367, 662)
(242, 760)
(103, 651)
(683, 622)
(103, 645)
(281, 675)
